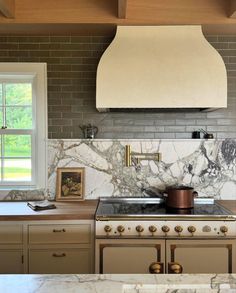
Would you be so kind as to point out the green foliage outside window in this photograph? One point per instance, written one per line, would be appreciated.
(18, 115)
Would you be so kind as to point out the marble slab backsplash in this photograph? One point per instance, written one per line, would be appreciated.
(207, 165)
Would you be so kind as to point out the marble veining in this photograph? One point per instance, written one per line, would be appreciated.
(207, 165)
(118, 283)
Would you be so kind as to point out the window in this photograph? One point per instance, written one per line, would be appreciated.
(23, 125)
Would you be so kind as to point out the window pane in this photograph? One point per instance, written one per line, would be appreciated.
(19, 117)
(17, 146)
(1, 117)
(17, 170)
(0, 93)
(18, 94)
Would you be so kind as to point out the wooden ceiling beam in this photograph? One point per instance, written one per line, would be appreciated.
(122, 7)
(7, 8)
(232, 9)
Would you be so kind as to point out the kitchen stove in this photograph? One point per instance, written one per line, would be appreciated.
(148, 217)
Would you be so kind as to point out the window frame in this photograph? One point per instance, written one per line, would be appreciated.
(31, 132)
(37, 74)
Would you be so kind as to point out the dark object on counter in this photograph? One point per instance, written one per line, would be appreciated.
(41, 205)
(196, 134)
(180, 197)
(206, 134)
(89, 131)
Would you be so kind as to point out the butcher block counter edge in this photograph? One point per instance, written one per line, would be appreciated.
(229, 205)
(81, 210)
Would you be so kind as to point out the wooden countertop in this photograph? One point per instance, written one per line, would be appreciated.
(229, 205)
(83, 210)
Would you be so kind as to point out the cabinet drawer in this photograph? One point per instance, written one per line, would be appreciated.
(11, 262)
(59, 261)
(59, 233)
(11, 234)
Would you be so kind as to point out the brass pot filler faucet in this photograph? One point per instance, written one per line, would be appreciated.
(135, 158)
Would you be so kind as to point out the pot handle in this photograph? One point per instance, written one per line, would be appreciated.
(195, 194)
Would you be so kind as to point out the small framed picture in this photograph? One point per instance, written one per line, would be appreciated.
(70, 184)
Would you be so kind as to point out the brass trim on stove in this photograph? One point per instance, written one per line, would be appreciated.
(167, 237)
(103, 246)
(228, 246)
(165, 218)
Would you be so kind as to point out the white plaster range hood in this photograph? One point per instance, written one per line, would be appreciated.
(160, 67)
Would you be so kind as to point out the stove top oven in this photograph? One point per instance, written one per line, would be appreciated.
(139, 235)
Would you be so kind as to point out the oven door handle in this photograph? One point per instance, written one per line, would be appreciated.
(175, 268)
(156, 268)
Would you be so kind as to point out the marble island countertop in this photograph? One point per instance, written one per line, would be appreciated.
(117, 283)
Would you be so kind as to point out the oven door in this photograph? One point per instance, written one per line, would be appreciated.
(201, 256)
(130, 256)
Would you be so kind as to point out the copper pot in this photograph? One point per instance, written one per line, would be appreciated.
(181, 197)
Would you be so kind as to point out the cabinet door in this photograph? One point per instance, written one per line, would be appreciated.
(128, 256)
(200, 256)
(11, 261)
(60, 261)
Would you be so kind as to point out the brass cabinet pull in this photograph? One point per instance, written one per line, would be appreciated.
(58, 254)
(174, 268)
(59, 230)
(156, 268)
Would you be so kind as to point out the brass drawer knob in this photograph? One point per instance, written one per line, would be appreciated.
(174, 268)
(156, 268)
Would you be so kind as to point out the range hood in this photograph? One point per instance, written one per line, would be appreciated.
(153, 67)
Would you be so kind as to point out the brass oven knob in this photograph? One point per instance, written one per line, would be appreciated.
(174, 268)
(165, 229)
(120, 229)
(224, 229)
(178, 229)
(156, 268)
(139, 229)
(107, 229)
(191, 229)
(152, 229)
